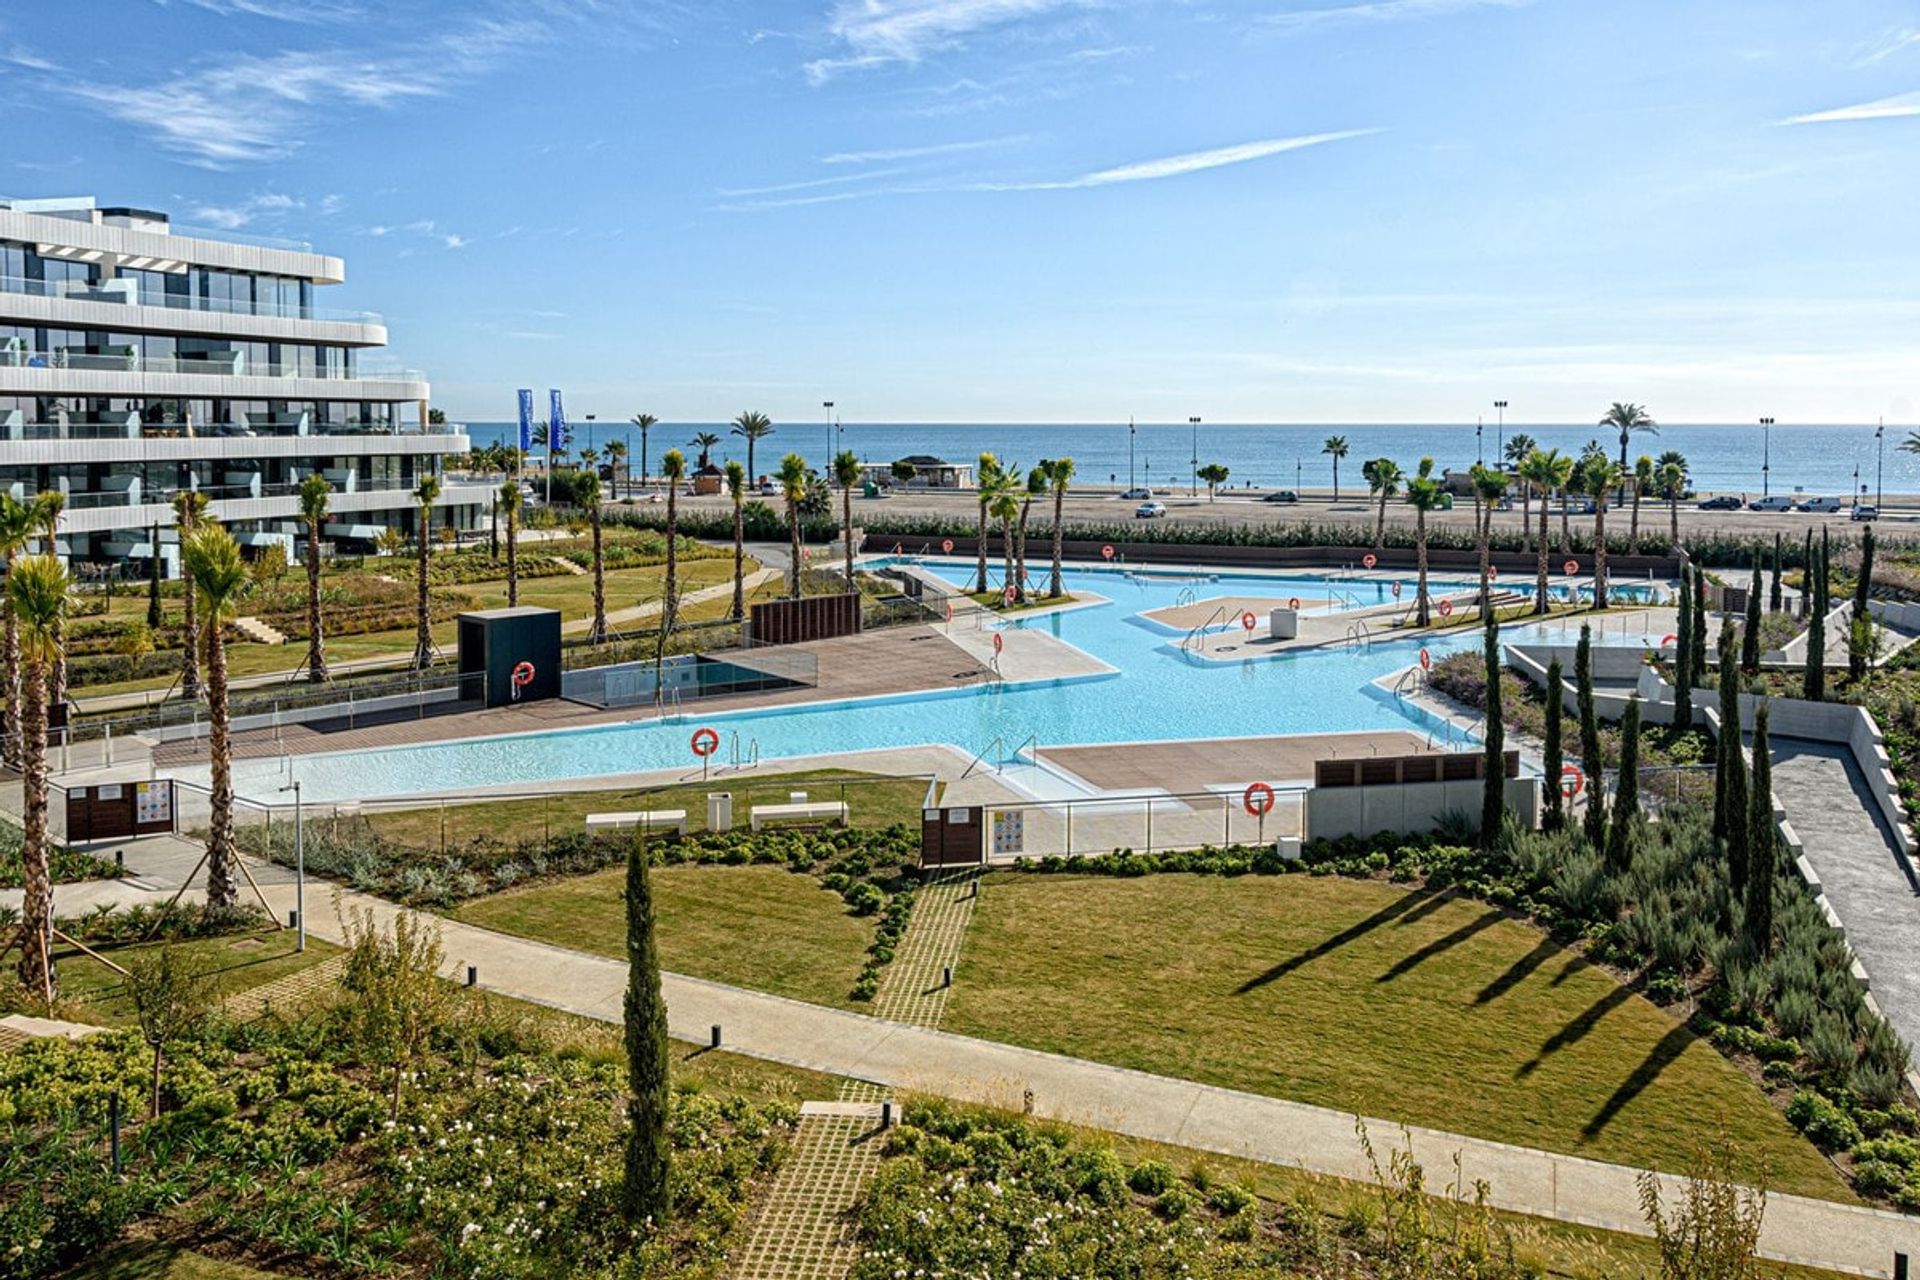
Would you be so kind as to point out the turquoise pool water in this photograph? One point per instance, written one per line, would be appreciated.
(1158, 692)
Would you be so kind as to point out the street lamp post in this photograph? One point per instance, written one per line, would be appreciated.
(1766, 456)
(1130, 432)
(1479, 439)
(590, 418)
(1500, 430)
(828, 464)
(1193, 485)
(299, 869)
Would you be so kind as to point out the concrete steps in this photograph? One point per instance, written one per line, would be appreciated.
(258, 632)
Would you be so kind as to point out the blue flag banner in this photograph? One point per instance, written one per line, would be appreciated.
(526, 419)
(556, 422)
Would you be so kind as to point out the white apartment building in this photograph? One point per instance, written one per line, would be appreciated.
(137, 361)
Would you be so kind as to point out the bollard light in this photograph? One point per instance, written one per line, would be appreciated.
(473, 975)
(716, 1036)
(886, 1114)
(1899, 1266)
(946, 976)
(293, 919)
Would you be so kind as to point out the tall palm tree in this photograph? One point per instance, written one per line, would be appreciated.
(1603, 477)
(1036, 488)
(644, 421)
(188, 506)
(219, 572)
(1673, 483)
(36, 592)
(737, 490)
(1424, 494)
(793, 487)
(986, 476)
(315, 493)
(16, 528)
(673, 469)
(704, 442)
(510, 501)
(1004, 505)
(617, 459)
(1489, 486)
(752, 427)
(47, 506)
(1517, 448)
(846, 474)
(1627, 419)
(1642, 481)
(1383, 477)
(1546, 470)
(587, 492)
(424, 497)
(1060, 476)
(1336, 446)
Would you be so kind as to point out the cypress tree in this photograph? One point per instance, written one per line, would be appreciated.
(1699, 624)
(1493, 802)
(1728, 741)
(1862, 589)
(644, 1190)
(1750, 641)
(154, 616)
(1806, 582)
(1626, 792)
(1590, 758)
(1731, 786)
(1773, 595)
(1552, 814)
(1683, 658)
(1765, 842)
(1814, 684)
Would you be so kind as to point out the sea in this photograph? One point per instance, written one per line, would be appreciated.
(1837, 460)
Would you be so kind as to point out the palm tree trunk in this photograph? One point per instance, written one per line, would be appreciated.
(739, 571)
(1421, 616)
(1380, 525)
(316, 642)
(793, 533)
(846, 530)
(1673, 523)
(1633, 530)
(599, 633)
(670, 598)
(36, 929)
(1483, 523)
(223, 891)
(1020, 580)
(1600, 552)
(190, 660)
(513, 557)
(1566, 533)
(423, 620)
(1540, 587)
(980, 551)
(11, 643)
(1006, 552)
(749, 459)
(1526, 517)
(1059, 501)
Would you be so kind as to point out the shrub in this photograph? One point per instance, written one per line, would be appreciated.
(1151, 1177)
(1826, 1125)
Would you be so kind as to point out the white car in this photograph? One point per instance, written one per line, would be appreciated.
(1150, 511)
(1776, 502)
(1865, 511)
(1818, 504)
(1140, 494)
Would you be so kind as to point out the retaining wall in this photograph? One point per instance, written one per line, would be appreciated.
(1332, 812)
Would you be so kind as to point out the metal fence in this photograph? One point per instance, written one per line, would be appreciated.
(690, 677)
(1144, 823)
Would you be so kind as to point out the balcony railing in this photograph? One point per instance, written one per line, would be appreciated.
(97, 499)
(126, 292)
(75, 429)
(225, 364)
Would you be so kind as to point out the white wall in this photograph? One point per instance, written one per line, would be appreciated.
(1409, 807)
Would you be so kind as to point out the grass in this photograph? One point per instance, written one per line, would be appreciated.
(91, 992)
(154, 1260)
(754, 926)
(1424, 1009)
(1036, 599)
(872, 801)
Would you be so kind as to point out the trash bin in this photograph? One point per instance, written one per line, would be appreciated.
(719, 811)
(869, 490)
(1283, 624)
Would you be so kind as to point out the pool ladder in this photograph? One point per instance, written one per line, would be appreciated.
(1000, 761)
(1197, 637)
(751, 758)
(1360, 635)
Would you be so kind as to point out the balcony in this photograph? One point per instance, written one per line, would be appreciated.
(222, 364)
(257, 426)
(126, 293)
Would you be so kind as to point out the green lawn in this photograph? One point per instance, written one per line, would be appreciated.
(95, 993)
(755, 926)
(151, 1260)
(872, 801)
(1416, 1007)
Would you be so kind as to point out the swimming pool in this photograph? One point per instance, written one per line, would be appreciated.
(1156, 692)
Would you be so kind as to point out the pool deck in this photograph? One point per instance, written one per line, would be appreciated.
(1225, 611)
(1184, 765)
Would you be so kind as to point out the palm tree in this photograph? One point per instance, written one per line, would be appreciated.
(752, 427)
(219, 572)
(47, 506)
(188, 505)
(704, 442)
(1337, 447)
(846, 474)
(985, 476)
(1004, 502)
(645, 422)
(1383, 477)
(1642, 481)
(673, 469)
(1673, 483)
(314, 495)
(1627, 419)
(1424, 494)
(509, 501)
(36, 597)
(793, 487)
(16, 528)
(1602, 478)
(587, 492)
(1489, 486)
(1546, 470)
(425, 496)
(737, 490)
(1059, 475)
(1036, 488)
(617, 459)
(1518, 447)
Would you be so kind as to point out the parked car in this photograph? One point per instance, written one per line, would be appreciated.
(1724, 502)
(1773, 502)
(1140, 494)
(1150, 511)
(1817, 504)
(1865, 511)
(1282, 495)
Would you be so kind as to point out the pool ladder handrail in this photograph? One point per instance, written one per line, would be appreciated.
(1414, 675)
(1200, 632)
(1360, 635)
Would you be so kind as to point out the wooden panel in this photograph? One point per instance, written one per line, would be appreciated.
(808, 618)
(116, 810)
(952, 837)
(1387, 771)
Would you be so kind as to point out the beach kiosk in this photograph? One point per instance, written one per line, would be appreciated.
(510, 656)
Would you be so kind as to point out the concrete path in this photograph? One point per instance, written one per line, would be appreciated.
(1864, 878)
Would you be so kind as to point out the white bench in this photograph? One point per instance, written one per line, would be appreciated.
(820, 811)
(645, 819)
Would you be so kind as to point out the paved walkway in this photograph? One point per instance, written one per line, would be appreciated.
(1867, 882)
(804, 1227)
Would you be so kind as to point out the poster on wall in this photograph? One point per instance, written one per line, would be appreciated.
(152, 802)
(1009, 831)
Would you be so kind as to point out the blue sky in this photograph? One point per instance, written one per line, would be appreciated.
(1043, 210)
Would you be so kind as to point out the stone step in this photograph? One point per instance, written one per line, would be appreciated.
(257, 631)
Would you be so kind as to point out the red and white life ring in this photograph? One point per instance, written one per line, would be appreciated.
(1248, 621)
(1446, 608)
(946, 545)
(1106, 552)
(1571, 566)
(1293, 602)
(999, 642)
(1369, 560)
(1426, 660)
(522, 676)
(1396, 591)
(1572, 780)
(705, 742)
(1257, 799)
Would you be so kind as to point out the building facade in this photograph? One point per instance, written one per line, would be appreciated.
(137, 361)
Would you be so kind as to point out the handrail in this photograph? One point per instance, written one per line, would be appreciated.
(980, 756)
(1201, 630)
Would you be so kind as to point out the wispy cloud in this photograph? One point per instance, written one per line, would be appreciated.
(25, 58)
(865, 175)
(1376, 11)
(916, 153)
(1898, 40)
(231, 217)
(1189, 162)
(1901, 104)
(879, 32)
(284, 10)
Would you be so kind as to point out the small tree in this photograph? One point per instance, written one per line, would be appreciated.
(509, 502)
(1806, 574)
(1683, 657)
(904, 472)
(1715, 1229)
(1750, 639)
(1774, 591)
(1493, 801)
(1552, 753)
(1764, 841)
(397, 996)
(315, 496)
(424, 497)
(737, 491)
(586, 491)
(1215, 474)
(1860, 635)
(1727, 757)
(154, 615)
(1814, 682)
(1591, 759)
(1059, 476)
(673, 469)
(170, 996)
(793, 487)
(648, 1156)
(1699, 620)
(1626, 794)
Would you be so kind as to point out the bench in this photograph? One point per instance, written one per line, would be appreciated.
(645, 819)
(819, 811)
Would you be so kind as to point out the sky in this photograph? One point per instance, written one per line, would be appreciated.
(1043, 210)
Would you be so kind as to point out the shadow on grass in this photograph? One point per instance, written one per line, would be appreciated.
(1575, 1031)
(1424, 901)
(1518, 972)
(1658, 1059)
(1408, 963)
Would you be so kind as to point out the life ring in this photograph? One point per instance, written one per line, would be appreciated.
(1571, 566)
(1293, 602)
(522, 675)
(1493, 571)
(1106, 552)
(946, 545)
(1426, 660)
(1668, 639)
(1006, 596)
(1248, 621)
(999, 642)
(896, 548)
(705, 742)
(949, 611)
(1572, 780)
(1446, 608)
(1396, 591)
(1257, 799)
(1369, 560)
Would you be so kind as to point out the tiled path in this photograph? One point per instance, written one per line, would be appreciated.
(913, 989)
(803, 1227)
(293, 991)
